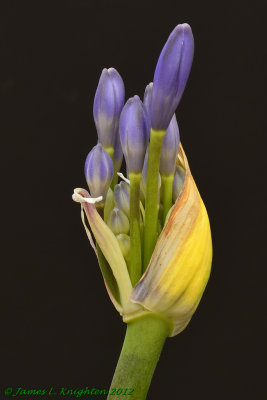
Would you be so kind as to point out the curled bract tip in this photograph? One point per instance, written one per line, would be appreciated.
(76, 196)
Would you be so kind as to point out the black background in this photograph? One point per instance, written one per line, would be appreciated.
(58, 325)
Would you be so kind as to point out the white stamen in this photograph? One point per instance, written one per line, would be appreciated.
(123, 177)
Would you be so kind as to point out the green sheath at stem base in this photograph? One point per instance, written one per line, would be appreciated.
(139, 356)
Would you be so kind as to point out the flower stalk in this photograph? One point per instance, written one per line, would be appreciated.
(135, 266)
(151, 202)
(140, 354)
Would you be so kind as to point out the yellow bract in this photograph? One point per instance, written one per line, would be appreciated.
(179, 268)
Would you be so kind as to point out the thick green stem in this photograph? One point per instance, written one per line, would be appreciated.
(166, 187)
(151, 202)
(139, 356)
(135, 265)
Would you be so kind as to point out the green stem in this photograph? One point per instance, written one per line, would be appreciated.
(110, 151)
(151, 202)
(166, 187)
(139, 356)
(135, 265)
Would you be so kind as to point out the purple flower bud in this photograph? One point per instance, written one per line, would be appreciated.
(148, 100)
(108, 103)
(118, 222)
(169, 149)
(171, 139)
(178, 182)
(134, 134)
(122, 197)
(171, 75)
(98, 171)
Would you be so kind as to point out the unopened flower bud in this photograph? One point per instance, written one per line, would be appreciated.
(171, 75)
(134, 134)
(122, 197)
(148, 101)
(169, 149)
(98, 171)
(118, 222)
(108, 103)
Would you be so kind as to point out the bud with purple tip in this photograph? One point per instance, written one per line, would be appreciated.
(108, 103)
(148, 100)
(169, 148)
(171, 75)
(134, 134)
(98, 171)
(118, 222)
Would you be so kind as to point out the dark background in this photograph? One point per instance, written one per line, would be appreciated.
(58, 325)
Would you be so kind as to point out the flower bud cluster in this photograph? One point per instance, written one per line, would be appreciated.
(124, 130)
(128, 216)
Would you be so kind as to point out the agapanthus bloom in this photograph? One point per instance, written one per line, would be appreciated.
(153, 245)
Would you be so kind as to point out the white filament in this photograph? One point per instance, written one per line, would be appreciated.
(123, 177)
